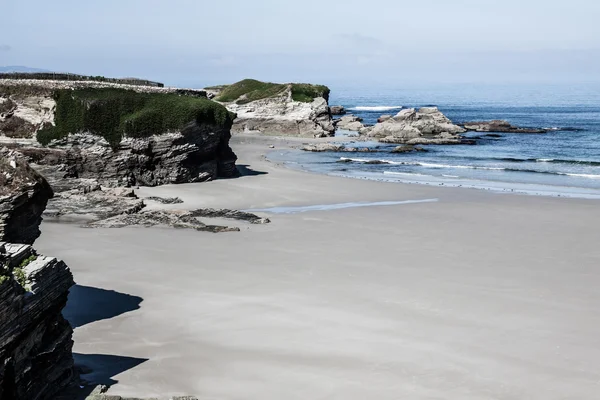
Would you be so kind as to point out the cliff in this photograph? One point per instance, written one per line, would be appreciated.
(121, 134)
(35, 340)
(279, 109)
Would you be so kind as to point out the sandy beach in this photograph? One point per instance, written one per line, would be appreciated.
(468, 295)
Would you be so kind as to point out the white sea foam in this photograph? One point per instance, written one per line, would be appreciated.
(545, 159)
(589, 176)
(420, 164)
(375, 108)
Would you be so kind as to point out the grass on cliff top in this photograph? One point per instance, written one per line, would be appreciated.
(118, 113)
(250, 90)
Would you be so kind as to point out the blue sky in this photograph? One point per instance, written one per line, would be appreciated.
(194, 43)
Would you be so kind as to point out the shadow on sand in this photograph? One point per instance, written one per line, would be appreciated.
(97, 369)
(245, 170)
(101, 368)
(88, 304)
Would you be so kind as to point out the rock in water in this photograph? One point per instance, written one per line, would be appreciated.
(500, 126)
(24, 195)
(337, 110)
(424, 126)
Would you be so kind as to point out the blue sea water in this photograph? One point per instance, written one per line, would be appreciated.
(565, 161)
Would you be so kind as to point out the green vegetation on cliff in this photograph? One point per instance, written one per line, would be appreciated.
(251, 90)
(306, 93)
(118, 113)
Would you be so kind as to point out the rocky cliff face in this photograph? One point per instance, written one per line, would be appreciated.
(35, 340)
(24, 195)
(197, 153)
(424, 126)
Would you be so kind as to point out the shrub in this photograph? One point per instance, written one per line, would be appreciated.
(7, 105)
(16, 127)
(306, 93)
(118, 113)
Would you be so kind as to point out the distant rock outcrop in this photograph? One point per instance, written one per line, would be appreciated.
(500, 126)
(278, 109)
(424, 126)
(24, 195)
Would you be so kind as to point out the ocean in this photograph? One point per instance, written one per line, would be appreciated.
(563, 162)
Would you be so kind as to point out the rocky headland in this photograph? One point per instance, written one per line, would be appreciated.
(290, 109)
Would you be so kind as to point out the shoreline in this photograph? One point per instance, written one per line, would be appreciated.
(472, 296)
(294, 160)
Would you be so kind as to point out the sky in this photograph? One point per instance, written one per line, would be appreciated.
(370, 42)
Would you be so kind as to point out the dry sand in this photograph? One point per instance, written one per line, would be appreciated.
(475, 296)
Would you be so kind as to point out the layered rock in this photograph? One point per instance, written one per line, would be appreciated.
(500, 126)
(35, 340)
(275, 109)
(197, 153)
(24, 195)
(424, 126)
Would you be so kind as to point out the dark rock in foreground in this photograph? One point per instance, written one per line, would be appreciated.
(35, 339)
(500, 126)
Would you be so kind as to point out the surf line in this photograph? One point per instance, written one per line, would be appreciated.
(338, 206)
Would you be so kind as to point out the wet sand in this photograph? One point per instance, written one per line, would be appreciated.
(473, 296)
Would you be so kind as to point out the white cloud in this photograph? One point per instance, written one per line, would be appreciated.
(5, 47)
